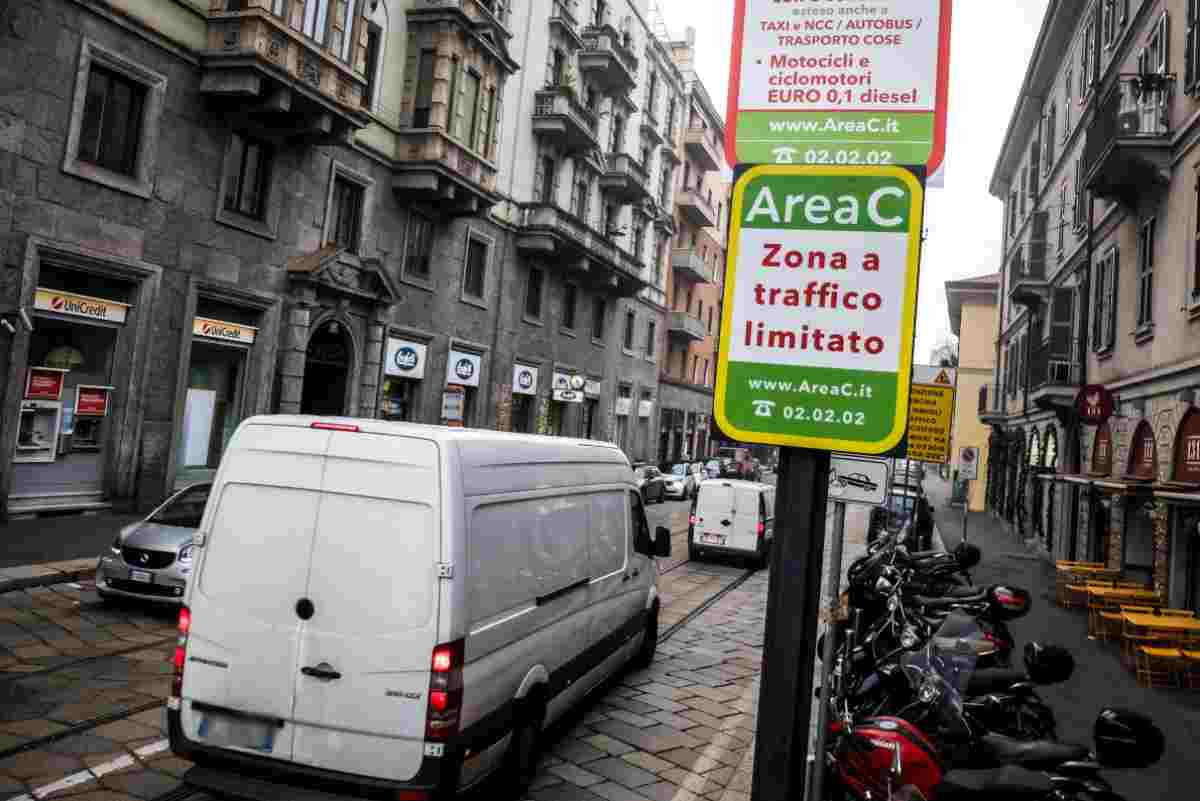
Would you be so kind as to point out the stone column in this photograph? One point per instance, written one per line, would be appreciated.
(1159, 516)
(1116, 531)
(293, 350)
(1084, 536)
(368, 402)
(504, 402)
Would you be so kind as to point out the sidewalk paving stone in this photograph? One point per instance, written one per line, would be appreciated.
(621, 772)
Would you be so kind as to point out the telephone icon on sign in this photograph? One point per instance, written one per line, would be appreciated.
(784, 155)
(764, 408)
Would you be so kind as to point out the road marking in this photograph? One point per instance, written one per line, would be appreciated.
(95, 772)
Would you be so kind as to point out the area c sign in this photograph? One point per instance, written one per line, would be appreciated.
(820, 298)
(851, 83)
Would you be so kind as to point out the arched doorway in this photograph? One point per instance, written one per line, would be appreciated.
(1050, 465)
(326, 370)
(1031, 524)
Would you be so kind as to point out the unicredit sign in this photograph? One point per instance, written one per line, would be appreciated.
(219, 329)
(73, 305)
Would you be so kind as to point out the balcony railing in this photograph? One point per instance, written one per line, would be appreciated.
(1055, 372)
(1027, 273)
(1128, 146)
(563, 15)
(558, 114)
(703, 148)
(696, 208)
(608, 59)
(682, 325)
(689, 263)
(624, 178)
(562, 239)
(477, 11)
(438, 170)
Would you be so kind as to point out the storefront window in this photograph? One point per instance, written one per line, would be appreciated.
(210, 408)
(523, 413)
(399, 400)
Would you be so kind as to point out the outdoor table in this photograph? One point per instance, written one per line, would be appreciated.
(1172, 623)
(1122, 594)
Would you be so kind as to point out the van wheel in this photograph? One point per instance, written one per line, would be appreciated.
(645, 654)
(524, 748)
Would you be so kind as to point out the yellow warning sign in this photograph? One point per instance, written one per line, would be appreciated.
(931, 414)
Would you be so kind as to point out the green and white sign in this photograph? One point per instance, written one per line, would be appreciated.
(820, 302)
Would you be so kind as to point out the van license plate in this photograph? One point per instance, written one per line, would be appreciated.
(141, 575)
(712, 539)
(219, 729)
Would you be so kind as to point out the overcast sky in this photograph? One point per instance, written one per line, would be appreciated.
(991, 46)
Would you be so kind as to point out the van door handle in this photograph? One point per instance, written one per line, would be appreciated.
(322, 671)
(726, 522)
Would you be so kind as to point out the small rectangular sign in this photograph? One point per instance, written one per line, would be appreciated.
(91, 401)
(405, 359)
(931, 413)
(224, 331)
(968, 463)
(568, 396)
(853, 479)
(624, 405)
(44, 383)
(819, 307)
(68, 303)
(453, 401)
(525, 379)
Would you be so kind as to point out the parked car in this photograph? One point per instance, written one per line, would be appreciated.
(391, 610)
(651, 483)
(732, 518)
(682, 480)
(712, 468)
(901, 505)
(151, 559)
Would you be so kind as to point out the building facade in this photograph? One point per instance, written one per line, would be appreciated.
(1101, 286)
(695, 280)
(973, 312)
(211, 209)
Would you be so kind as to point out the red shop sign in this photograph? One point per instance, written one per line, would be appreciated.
(44, 383)
(1094, 404)
(1143, 458)
(91, 401)
(1187, 450)
(1102, 451)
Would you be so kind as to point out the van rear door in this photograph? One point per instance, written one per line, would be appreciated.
(746, 508)
(362, 683)
(252, 570)
(714, 515)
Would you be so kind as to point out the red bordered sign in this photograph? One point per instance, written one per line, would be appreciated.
(44, 383)
(812, 85)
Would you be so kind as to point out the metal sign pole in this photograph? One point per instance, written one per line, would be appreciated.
(789, 648)
(832, 599)
(966, 511)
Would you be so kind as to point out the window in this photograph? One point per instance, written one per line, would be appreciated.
(1068, 98)
(1191, 55)
(652, 93)
(618, 134)
(1087, 60)
(695, 369)
(1061, 228)
(710, 319)
(1145, 316)
(418, 247)
(473, 88)
(475, 268)
(1196, 247)
(488, 148)
(316, 17)
(570, 301)
(664, 187)
(650, 336)
(660, 254)
(423, 102)
(1104, 303)
(1156, 47)
(374, 37)
(1108, 21)
(580, 192)
(347, 29)
(533, 294)
(548, 179)
(454, 107)
(558, 66)
(671, 121)
(639, 236)
(1081, 210)
(346, 210)
(1048, 140)
(1024, 195)
(1012, 214)
(247, 171)
(598, 311)
(109, 134)
(630, 324)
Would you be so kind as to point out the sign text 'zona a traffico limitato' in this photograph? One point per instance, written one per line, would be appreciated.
(820, 301)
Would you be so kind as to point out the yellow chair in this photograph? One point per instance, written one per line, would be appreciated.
(1158, 666)
(1134, 637)
(1178, 612)
(1137, 609)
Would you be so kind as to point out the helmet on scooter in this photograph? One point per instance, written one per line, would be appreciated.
(1126, 739)
(967, 555)
(1048, 664)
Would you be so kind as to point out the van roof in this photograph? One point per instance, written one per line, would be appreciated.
(737, 482)
(476, 446)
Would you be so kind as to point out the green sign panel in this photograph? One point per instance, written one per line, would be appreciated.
(820, 302)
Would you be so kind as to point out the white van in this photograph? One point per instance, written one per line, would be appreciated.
(733, 518)
(388, 609)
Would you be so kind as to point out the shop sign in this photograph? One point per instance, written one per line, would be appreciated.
(591, 388)
(525, 379)
(463, 368)
(820, 301)
(1102, 451)
(226, 332)
(1187, 456)
(645, 408)
(44, 383)
(568, 396)
(405, 359)
(1034, 450)
(1143, 460)
(931, 413)
(624, 406)
(74, 305)
(1094, 405)
(453, 403)
(91, 401)
(860, 84)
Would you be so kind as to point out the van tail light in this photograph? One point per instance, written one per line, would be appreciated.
(692, 520)
(336, 427)
(185, 625)
(762, 529)
(445, 691)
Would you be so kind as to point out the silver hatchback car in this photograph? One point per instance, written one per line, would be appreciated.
(152, 559)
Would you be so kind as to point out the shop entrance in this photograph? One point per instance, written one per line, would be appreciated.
(326, 371)
(210, 412)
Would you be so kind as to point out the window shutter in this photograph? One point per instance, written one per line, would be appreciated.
(1164, 30)
(485, 110)
(1062, 313)
(460, 102)
(1110, 304)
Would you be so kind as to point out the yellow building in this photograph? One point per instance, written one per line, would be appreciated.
(973, 309)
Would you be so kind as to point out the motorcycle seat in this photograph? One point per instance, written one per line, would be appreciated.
(1034, 754)
(997, 680)
(947, 602)
(1078, 769)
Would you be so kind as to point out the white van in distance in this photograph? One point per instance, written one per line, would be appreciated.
(393, 610)
(732, 518)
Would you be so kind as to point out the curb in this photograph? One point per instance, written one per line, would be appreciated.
(40, 576)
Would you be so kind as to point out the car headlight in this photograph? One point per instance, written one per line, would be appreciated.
(185, 553)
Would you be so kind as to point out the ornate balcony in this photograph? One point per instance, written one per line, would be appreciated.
(559, 117)
(1128, 146)
(606, 57)
(275, 79)
(557, 237)
(624, 178)
(1027, 284)
(683, 326)
(703, 148)
(650, 129)
(991, 409)
(564, 17)
(1055, 370)
(689, 264)
(485, 22)
(696, 209)
(442, 175)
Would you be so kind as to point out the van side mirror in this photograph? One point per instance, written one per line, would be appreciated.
(662, 541)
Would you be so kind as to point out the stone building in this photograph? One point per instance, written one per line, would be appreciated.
(1101, 286)
(972, 304)
(211, 209)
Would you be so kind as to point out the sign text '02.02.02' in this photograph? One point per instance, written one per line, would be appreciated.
(820, 299)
